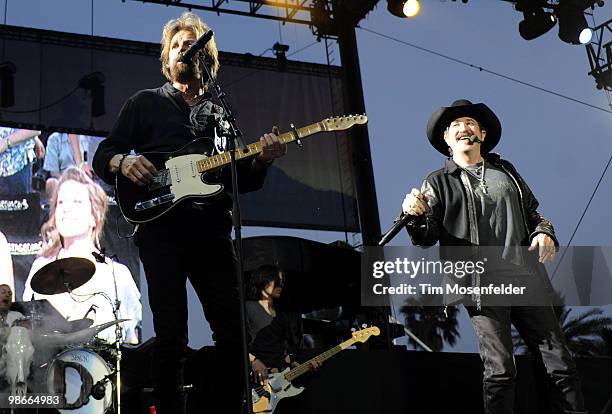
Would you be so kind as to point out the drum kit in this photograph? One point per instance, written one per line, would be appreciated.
(84, 371)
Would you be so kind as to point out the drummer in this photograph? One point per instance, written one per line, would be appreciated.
(78, 208)
(7, 316)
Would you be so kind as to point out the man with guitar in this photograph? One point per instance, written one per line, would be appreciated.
(191, 240)
(272, 335)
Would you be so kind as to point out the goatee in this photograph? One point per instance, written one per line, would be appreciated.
(184, 73)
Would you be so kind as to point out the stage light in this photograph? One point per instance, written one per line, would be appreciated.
(411, 8)
(585, 36)
(7, 83)
(280, 50)
(535, 23)
(573, 27)
(94, 82)
(403, 8)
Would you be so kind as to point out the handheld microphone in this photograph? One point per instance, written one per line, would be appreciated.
(196, 47)
(399, 224)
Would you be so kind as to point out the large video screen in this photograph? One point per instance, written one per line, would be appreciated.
(67, 263)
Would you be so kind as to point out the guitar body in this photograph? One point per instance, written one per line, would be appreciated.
(267, 397)
(177, 180)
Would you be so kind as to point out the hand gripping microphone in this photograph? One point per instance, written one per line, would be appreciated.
(196, 47)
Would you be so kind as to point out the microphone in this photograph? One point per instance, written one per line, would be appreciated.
(473, 139)
(196, 47)
(92, 308)
(100, 257)
(399, 224)
(98, 391)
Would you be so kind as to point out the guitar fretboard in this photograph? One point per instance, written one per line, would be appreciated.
(221, 160)
(305, 367)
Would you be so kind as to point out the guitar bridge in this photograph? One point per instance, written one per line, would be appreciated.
(154, 202)
(160, 179)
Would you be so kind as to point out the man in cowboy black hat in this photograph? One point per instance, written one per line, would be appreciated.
(479, 199)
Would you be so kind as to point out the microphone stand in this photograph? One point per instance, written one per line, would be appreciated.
(118, 333)
(235, 142)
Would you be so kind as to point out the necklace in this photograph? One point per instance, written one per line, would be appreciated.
(480, 177)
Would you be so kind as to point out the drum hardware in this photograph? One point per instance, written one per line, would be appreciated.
(93, 373)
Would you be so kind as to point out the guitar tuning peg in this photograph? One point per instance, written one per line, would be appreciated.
(364, 325)
(353, 329)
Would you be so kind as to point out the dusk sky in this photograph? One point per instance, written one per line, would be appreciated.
(559, 146)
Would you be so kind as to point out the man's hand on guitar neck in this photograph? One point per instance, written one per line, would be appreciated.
(135, 167)
(272, 148)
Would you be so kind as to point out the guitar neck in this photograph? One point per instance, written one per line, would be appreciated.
(305, 367)
(221, 160)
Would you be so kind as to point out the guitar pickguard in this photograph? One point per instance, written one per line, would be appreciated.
(185, 181)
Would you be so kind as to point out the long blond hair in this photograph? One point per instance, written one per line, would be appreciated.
(193, 23)
(52, 239)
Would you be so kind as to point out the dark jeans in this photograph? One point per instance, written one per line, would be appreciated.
(210, 266)
(18, 183)
(539, 328)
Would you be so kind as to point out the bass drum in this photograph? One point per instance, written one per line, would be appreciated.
(73, 374)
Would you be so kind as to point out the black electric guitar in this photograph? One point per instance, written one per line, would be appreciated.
(181, 173)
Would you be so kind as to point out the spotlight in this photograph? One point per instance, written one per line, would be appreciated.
(403, 8)
(585, 36)
(7, 81)
(280, 51)
(536, 22)
(94, 82)
(573, 27)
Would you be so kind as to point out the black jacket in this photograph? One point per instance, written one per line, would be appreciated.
(452, 221)
(159, 120)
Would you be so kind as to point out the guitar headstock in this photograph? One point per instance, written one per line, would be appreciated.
(341, 123)
(365, 334)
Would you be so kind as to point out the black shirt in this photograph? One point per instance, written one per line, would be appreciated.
(257, 318)
(158, 119)
(274, 341)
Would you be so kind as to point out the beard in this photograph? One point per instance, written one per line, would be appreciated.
(184, 73)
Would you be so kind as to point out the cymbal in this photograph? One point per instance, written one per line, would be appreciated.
(79, 324)
(62, 275)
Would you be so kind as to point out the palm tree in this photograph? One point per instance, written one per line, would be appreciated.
(606, 344)
(431, 324)
(584, 334)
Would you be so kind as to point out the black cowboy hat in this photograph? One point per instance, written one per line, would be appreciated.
(441, 119)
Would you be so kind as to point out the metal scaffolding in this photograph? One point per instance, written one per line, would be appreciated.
(319, 15)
